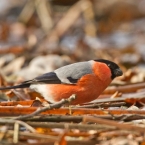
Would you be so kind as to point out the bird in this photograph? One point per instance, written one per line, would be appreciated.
(87, 80)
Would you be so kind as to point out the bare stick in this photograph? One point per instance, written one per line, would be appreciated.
(28, 127)
(102, 105)
(61, 125)
(121, 126)
(16, 132)
(125, 88)
(52, 106)
(136, 96)
(77, 119)
(34, 135)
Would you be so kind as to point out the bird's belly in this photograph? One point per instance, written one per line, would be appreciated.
(44, 90)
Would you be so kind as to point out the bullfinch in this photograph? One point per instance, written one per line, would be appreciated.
(87, 80)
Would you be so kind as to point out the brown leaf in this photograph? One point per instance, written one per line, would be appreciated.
(37, 103)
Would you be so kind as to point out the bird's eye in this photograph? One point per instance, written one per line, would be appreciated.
(109, 65)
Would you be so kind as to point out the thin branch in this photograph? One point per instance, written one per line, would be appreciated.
(82, 127)
(55, 118)
(51, 106)
(102, 105)
(16, 132)
(34, 135)
(61, 125)
(121, 126)
(137, 96)
(125, 88)
(28, 127)
(77, 119)
(70, 118)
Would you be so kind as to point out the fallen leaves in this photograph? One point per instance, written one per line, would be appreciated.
(90, 122)
(101, 115)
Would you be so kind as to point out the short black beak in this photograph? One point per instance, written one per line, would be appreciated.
(118, 72)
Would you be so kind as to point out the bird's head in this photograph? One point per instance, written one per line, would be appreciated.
(114, 68)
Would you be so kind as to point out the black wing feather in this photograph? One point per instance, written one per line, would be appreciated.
(74, 81)
(48, 78)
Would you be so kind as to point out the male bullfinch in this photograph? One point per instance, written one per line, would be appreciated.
(87, 80)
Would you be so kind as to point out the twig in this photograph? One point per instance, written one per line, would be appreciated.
(68, 118)
(61, 125)
(5, 129)
(121, 126)
(49, 141)
(116, 133)
(131, 117)
(82, 127)
(66, 22)
(77, 119)
(46, 142)
(55, 118)
(125, 88)
(47, 118)
(13, 111)
(15, 103)
(52, 106)
(113, 104)
(16, 132)
(44, 12)
(34, 135)
(28, 11)
(28, 127)
(137, 96)
(17, 124)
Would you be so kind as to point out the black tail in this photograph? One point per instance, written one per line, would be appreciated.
(23, 85)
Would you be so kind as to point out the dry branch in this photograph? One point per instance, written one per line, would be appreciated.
(51, 106)
(83, 127)
(15, 111)
(125, 88)
(102, 105)
(140, 96)
(77, 119)
(33, 135)
(121, 126)
(68, 20)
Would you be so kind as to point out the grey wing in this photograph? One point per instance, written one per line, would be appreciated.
(70, 74)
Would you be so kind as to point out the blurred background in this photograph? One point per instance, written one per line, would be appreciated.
(37, 36)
